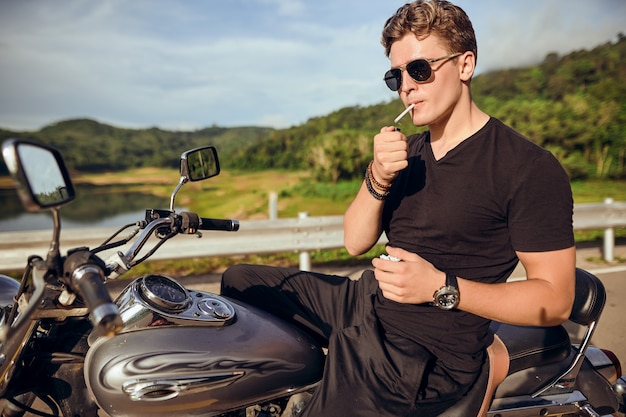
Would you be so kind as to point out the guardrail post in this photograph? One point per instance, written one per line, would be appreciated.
(609, 237)
(305, 256)
(273, 205)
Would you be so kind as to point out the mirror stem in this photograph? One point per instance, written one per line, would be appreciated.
(183, 180)
(53, 252)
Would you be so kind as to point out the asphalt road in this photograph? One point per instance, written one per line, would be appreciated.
(611, 331)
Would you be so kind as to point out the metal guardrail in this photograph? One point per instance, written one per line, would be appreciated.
(300, 235)
(607, 216)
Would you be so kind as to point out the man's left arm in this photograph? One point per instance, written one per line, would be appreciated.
(544, 298)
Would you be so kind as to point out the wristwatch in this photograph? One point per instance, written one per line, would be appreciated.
(447, 297)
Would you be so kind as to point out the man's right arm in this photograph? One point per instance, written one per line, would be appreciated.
(362, 223)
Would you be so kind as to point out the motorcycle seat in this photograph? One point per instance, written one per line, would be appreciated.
(530, 347)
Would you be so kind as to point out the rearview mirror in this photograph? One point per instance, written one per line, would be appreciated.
(196, 165)
(40, 174)
(199, 164)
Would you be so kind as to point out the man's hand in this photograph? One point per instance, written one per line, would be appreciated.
(412, 280)
(390, 154)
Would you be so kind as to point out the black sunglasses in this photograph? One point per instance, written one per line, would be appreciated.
(420, 70)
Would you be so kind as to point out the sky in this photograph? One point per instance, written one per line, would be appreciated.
(190, 64)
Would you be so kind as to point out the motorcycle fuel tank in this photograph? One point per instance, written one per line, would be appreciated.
(190, 353)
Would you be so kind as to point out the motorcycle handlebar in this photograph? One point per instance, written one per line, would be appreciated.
(88, 281)
(184, 222)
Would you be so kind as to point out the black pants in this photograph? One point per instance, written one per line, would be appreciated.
(368, 372)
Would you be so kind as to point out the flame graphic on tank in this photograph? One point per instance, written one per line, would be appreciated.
(165, 375)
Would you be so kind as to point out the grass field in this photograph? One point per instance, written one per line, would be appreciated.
(245, 195)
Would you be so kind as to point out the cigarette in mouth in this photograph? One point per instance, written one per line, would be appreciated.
(401, 115)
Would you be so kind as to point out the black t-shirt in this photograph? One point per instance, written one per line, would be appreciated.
(467, 213)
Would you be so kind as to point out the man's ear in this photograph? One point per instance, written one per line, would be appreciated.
(467, 63)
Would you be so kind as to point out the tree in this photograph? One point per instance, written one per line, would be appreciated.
(339, 154)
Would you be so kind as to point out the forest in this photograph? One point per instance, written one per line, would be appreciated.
(574, 105)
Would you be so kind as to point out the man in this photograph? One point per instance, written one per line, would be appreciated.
(460, 205)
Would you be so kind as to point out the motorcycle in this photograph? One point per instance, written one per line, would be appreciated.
(161, 349)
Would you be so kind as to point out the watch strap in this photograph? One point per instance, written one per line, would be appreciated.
(451, 280)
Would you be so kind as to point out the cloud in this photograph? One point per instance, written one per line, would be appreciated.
(286, 8)
(269, 62)
(526, 32)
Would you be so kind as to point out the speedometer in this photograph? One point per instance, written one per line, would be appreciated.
(164, 293)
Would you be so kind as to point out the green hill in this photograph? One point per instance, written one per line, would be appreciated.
(90, 146)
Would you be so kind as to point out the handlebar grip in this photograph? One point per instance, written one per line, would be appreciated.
(88, 281)
(227, 225)
(190, 223)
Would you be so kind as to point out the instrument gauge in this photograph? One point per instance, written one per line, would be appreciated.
(164, 293)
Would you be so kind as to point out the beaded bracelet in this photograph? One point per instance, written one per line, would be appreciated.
(373, 180)
(372, 191)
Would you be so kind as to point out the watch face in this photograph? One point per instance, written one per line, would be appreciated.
(447, 298)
